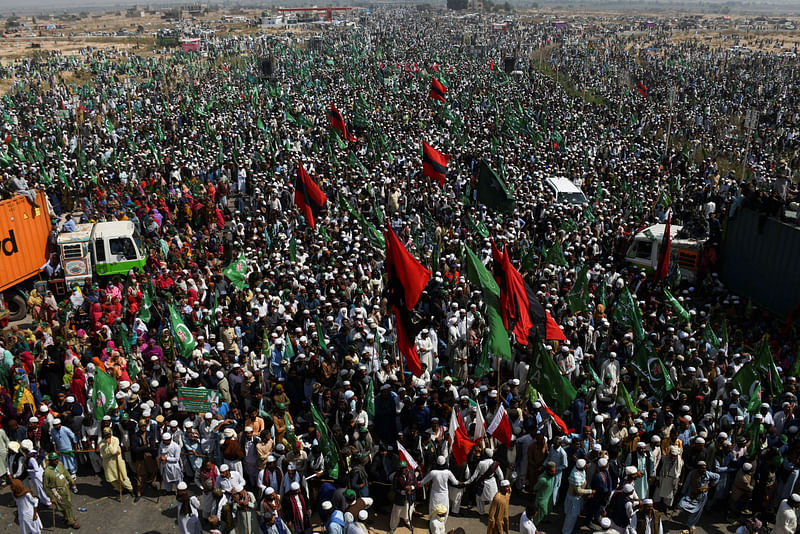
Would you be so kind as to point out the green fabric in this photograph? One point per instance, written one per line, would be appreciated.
(545, 376)
(326, 444)
(493, 191)
(184, 339)
(236, 272)
(543, 497)
(103, 398)
(477, 274)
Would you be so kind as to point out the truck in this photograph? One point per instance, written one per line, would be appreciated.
(92, 250)
(645, 250)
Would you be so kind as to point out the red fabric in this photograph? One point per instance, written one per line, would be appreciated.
(406, 345)
(491, 65)
(461, 445)
(500, 427)
(557, 420)
(552, 330)
(410, 273)
(434, 163)
(308, 196)
(514, 304)
(438, 90)
(337, 123)
(662, 271)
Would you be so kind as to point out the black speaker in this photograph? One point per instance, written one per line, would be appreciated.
(266, 67)
(509, 64)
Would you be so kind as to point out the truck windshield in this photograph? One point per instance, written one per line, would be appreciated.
(122, 247)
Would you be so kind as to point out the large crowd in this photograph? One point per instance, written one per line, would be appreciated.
(284, 324)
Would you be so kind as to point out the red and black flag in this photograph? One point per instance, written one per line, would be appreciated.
(438, 90)
(337, 123)
(407, 279)
(434, 163)
(664, 251)
(522, 312)
(308, 197)
(642, 88)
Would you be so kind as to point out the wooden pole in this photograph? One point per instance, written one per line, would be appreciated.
(119, 475)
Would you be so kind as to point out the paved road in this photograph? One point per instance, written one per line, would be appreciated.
(104, 513)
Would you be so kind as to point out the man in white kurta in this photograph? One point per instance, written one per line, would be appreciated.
(440, 479)
(786, 518)
(169, 454)
(489, 475)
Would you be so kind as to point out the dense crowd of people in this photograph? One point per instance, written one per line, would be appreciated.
(280, 320)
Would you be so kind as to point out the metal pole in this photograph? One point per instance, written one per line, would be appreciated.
(749, 123)
(672, 93)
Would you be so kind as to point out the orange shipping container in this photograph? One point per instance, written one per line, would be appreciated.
(23, 238)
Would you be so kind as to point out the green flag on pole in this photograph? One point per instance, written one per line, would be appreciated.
(236, 272)
(626, 399)
(626, 312)
(183, 336)
(147, 303)
(321, 336)
(493, 191)
(330, 452)
(555, 256)
(673, 302)
(546, 378)
(290, 436)
(370, 399)
(579, 298)
(103, 398)
(649, 366)
(479, 276)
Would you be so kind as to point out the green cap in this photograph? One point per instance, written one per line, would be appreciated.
(349, 494)
(52, 456)
(403, 464)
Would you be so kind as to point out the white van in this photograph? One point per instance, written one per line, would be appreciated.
(644, 250)
(566, 191)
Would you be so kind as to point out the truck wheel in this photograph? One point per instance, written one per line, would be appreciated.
(17, 308)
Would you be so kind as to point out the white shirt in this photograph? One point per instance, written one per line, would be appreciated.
(526, 525)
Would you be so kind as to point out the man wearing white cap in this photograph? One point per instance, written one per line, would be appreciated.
(647, 519)
(244, 505)
(621, 510)
(575, 494)
(489, 473)
(669, 476)
(786, 518)
(169, 455)
(698, 483)
(498, 510)
(188, 511)
(440, 479)
(295, 509)
(64, 441)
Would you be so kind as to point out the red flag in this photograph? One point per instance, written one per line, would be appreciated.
(556, 419)
(434, 163)
(407, 279)
(404, 270)
(513, 298)
(662, 271)
(500, 427)
(308, 196)
(438, 90)
(405, 455)
(552, 330)
(337, 123)
(642, 88)
(491, 65)
(461, 444)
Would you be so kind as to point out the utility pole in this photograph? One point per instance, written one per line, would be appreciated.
(672, 93)
(750, 120)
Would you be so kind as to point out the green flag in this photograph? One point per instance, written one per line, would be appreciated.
(479, 276)
(555, 256)
(288, 351)
(484, 364)
(673, 302)
(326, 444)
(103, 398)
(754, 404)
(626, 312)
(579, 298)
(625, 397)
(236, 272)
(709, 336)
(649, 366)
(293, 250)
(768, 371)
(370, 399)
(545, 377)
(321, 336)
(183, 336)
(493, 191)
(147, 303)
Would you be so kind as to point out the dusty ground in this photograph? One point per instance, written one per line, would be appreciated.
(105, 513)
